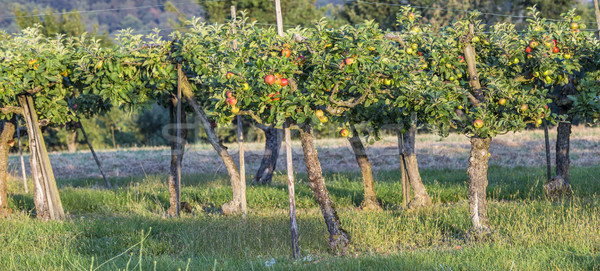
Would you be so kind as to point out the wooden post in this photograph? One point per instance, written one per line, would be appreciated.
(597, 11)
(290, 163)
(240, 135)
(279, 18)
(41, 166)
(21, 156)
(87, 140)
(547, 142)
(291, 191)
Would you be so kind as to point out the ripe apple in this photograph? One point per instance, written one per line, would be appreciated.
(284, 82)
(235, 110)
(75, 107)
(502, 101)
(524, 107)
(319, 113)
(270, 79)
(344, 132)
(229, 94)
(232, 101)
(213, 124)
(478, 123)
(555, 50)
(462, 59)
(229, 75)
(528, 50)
(349, 61)
(286, 52)
(411, 16)
(574, 26)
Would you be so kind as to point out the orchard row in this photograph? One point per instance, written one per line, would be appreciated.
(475, 79)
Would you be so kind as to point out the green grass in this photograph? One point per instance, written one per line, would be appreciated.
(530, 233)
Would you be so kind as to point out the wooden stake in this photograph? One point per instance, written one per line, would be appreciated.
(240, 135)
(21, 156)
(291, 191)
(597, 11)
(290, 162)
(87, 140)
(279, 18)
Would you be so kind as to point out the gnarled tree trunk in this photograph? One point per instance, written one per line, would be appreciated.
(338, 237)
(235, 205)
(408, 161)
(273, 138)
(478, 168)
(7, 133)
(370, 199)
(45, 196)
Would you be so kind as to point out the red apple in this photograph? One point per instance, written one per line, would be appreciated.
(270, 79)
(478, 123)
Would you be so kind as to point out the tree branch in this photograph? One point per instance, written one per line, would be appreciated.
(12, 110)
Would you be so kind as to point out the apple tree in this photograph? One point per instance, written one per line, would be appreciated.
(485, 95)
(33, 83)
(562, 57)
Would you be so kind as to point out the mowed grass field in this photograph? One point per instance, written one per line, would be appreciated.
(125, 228)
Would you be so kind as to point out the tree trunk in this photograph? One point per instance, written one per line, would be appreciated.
(338, 237)
(411, 166)
(370, 199)
(234, 206)
(72, 141)
(562, 150)
(273, 138)
(478, 167)
(7, 129)
(174, 171)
